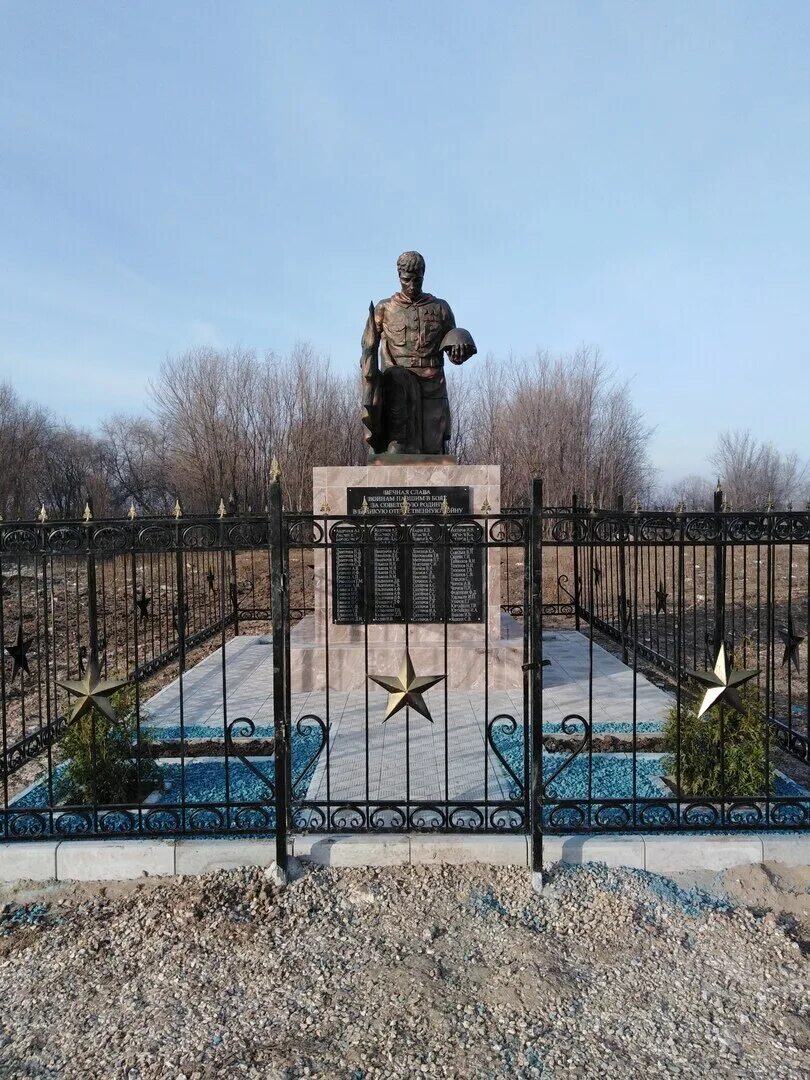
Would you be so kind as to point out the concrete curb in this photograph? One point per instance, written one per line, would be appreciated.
(121, 860)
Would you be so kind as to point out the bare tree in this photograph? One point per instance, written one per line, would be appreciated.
(138, 463)
(563, 418)
(24, 433)
(73, 468)
(754, 473)
(227, 414)
(221, 416)
(692, 492)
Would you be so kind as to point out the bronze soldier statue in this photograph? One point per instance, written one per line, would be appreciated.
(405, 406)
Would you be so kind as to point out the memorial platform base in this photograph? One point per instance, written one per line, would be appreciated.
(472, 663)
(372, 598)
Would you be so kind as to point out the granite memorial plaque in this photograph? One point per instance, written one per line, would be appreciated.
(433, 576)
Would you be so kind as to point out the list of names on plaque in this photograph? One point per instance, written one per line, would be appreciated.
(347, 575)
(392, 572)
(386, 590)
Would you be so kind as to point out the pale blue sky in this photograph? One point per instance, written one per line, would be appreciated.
(631, 175)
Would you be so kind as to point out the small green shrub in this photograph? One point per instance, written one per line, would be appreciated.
(705, 772)
(101, 763)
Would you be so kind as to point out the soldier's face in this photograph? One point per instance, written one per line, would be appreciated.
(411, 282)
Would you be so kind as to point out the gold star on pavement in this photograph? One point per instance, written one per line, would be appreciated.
(722, 683)
(93, 692)
(405, 690)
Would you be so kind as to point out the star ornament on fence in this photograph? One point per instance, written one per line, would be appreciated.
(660, 599)
(19, 653)
(406, 689)
(93, 692)
(722, 684)
(791, 640)
(143, 602)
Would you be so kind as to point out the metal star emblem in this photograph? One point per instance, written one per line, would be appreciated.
(625, 613)
(661, 599)
(791, 641)
(19, 653)
(93, 692)
(722, 683)
(405, 690)
(176, 618)
(142, 603)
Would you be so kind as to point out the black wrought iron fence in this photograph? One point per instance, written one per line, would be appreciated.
(235, 675)
(672, 588)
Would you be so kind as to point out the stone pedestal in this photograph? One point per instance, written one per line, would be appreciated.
(338, 656)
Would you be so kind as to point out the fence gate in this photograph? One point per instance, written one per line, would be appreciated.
(406, 683)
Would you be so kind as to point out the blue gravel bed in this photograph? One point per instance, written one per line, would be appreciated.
(612, 773)
(609, 776)
(612, 727)
(205, 784)
(203, 731)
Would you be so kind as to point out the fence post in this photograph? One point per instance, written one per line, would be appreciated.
(180, 578)
(719, 578)
(281, 726)
(92, 594)
(624, 609)
(536, 668)
(93, 661)
(574, 539)
(234, 597)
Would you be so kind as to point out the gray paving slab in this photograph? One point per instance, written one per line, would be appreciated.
(407, 756)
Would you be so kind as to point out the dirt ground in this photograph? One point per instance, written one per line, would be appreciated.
(399, 972)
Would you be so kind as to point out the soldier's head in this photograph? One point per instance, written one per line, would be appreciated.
(411, 270)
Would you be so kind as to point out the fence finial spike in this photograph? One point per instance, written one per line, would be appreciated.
(178, 509)
(770, 501)
(43, 514)
(406, 506)
(636, 504)
(275, 470)
(87, 513)
(132, 513)
(446, 506)
(593, 503)
(221, 511)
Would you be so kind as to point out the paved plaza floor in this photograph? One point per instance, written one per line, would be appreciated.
(408, 757)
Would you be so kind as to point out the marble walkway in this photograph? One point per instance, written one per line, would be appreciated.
(408, 757)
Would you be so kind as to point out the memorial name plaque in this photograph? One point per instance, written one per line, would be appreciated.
(380, 575)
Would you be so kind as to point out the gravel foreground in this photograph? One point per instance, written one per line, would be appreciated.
(402, 972)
